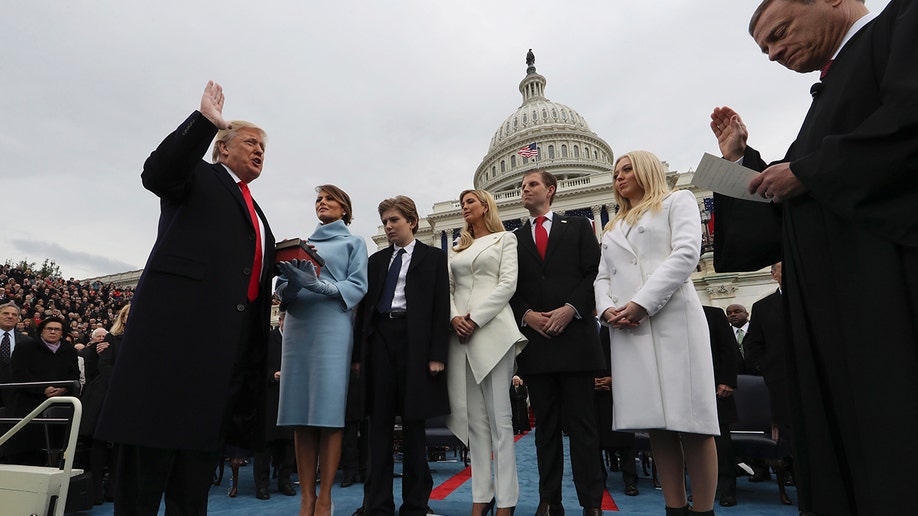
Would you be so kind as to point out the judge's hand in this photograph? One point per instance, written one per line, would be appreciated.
(730, 131)
(628, 316)
(101, 346)
(537, 321)
(724, 391)
(777, 183)
(212, 105)
(558, 319)
(435, 367)
(276, 376)
(464, 327)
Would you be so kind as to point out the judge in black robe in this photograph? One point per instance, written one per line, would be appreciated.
(847, 228)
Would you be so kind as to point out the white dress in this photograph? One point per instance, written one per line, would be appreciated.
(662, 372)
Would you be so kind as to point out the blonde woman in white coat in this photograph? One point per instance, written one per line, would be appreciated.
(662, 375)
(482, 278)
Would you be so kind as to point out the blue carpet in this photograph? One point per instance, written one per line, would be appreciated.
(755, 499)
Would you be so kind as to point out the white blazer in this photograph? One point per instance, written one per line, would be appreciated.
(482, 279)
(662, 371)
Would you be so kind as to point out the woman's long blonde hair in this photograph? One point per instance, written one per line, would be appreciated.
(491, 219)
(650, 176)
(120, 320)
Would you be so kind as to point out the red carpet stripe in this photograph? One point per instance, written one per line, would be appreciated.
(446, 488)
(608, 504)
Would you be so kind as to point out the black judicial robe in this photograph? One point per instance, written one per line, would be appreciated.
(850, 251)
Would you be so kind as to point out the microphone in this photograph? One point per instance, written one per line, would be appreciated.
(815, 89)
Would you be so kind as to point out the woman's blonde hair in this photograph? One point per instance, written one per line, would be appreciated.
(650, 176)
(491, 219)
(120, 320)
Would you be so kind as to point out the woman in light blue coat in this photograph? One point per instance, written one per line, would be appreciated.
(317, 344)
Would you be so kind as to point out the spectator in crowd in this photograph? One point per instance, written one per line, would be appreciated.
(614, 443)
(738, 318)
(9, 338)
(93, 398)
(318, 344)
(662, 371)
(724, 357)
(279, 440)
(49, 358)
(519, 403)
(482, 278)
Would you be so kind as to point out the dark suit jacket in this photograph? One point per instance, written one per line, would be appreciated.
(766, 348)
(427, 296)
(565, 276)
(6, 373)
(725, 355)
(190, 309)
(34, 362)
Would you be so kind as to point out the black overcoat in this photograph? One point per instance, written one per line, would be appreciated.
(850, 248)
(427, 297)
(170, 388)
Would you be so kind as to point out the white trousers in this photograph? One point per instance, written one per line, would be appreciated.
(491, 432)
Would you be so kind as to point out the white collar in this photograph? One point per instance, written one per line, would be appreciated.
(858, 25)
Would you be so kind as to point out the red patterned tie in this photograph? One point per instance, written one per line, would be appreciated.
(541, 236)
(825, 70)
(255, 278)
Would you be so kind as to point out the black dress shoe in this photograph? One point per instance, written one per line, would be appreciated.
(727, 501)
(760, 476)
(631, 490)
(286, 490)
(348, 481)
(262, 493)
(592, 511)
(361, 511)
(549, 509)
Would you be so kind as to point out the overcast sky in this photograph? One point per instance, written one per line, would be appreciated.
(378, 97)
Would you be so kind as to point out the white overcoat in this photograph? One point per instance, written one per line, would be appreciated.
(662, 372)
(482, 279)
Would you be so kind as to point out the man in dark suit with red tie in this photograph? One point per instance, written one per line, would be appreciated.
(844, 224)
(190, 371)
(400, 345)
(558, 261)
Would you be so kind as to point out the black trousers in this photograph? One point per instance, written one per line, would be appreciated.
(566, 399)
(726, 462)
(145, 474)
(387, 377)
(280, 453)
(354, 448)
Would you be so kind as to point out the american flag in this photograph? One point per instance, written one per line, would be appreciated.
(529, 151)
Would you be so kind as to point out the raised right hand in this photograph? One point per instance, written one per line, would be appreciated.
(212, 105)
(730, 131)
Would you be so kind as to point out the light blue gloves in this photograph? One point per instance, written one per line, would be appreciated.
(302, 274)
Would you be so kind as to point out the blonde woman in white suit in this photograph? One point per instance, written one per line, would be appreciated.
(662, 372)
(482, 274)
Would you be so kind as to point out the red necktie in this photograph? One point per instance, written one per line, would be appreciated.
(541, 236)
(825, 70)
(255, 278)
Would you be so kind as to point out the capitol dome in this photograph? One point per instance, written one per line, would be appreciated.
(566, 146)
